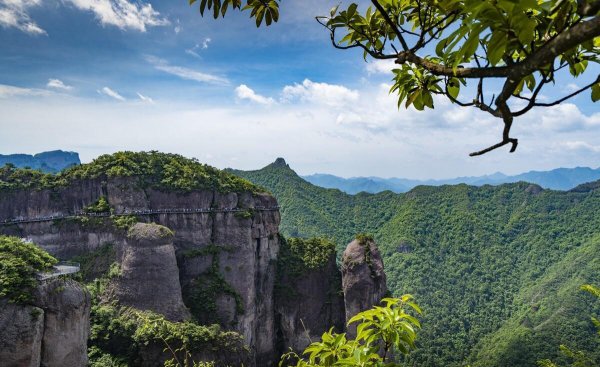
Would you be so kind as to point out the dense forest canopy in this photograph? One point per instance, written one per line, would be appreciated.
(170, 172)
(511, 306)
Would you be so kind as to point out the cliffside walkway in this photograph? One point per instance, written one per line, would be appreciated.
(62, 268)
(143, 212)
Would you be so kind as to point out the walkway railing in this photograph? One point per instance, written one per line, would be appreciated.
(61, 268)
(135, 213)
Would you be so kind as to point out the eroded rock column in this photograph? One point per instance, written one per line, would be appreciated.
(363, 278)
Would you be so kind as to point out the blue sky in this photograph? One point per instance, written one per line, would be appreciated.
(98, 76)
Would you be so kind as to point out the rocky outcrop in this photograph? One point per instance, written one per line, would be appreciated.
(21, 333)
(363, 279)
(308, 305)
(66, 308)
(149, 276)
(235, 250)
(52, 332)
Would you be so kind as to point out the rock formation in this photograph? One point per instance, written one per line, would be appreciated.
(363, 279)
(211, 255)
(51, 332)
(21, 333)
(66, 308)
(149, 276)
(235, 250)
(308, 305)
(52, 162)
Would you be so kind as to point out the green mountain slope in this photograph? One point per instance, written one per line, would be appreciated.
(497, 269)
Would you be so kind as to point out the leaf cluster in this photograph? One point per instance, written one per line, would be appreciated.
(20, 262)
(381, 332)
(267, 10)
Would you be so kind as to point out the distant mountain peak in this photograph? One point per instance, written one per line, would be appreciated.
(51, 162)
(280, 162)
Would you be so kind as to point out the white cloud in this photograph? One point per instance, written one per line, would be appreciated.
(572, 87)
(111, 93)
(178, 28)
(380, 66)
(244, 92)
(564, 117)
(145, 98)
(320, 93)
(14, 14)
(194, 50)
(122, 13)
(368, 137)
(7, 91)
(58, 84)
(186, 73)
(579, 145)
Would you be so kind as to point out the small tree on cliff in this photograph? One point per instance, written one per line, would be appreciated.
(443, 46)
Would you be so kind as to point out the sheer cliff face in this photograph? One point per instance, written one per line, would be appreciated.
(308, 305)
(234, 250)
(53, 331)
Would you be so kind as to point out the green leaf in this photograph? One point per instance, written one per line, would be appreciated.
(596, 92)
(453, 87)
(352, 10)
(497, 47)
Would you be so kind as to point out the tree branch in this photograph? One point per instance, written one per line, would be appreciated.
(544, 55)
(559, 101)
(391, 23)
(587, 8)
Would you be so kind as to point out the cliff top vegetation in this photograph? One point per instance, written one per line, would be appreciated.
(19, 263)
(163, 171)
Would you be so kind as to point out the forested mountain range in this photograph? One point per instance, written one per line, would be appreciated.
(497, 269)
(47, 162)
(556, 179)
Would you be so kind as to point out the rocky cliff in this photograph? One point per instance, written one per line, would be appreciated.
(226, 243)
(53, 331)
(363, 278)
(189, 242)
(149, 276)
(308, 297)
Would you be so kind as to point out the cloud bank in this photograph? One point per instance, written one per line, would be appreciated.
(14, 14)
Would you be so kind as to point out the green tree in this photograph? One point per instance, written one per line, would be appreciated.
(20, 262)
(443, 46)
(382, 332)
(578, 357)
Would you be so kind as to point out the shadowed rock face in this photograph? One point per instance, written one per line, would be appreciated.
(66, 306)
(248, 241)
(21, 333)
(52, 332)
(363, 279)
(149, 278)
(309, 305)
